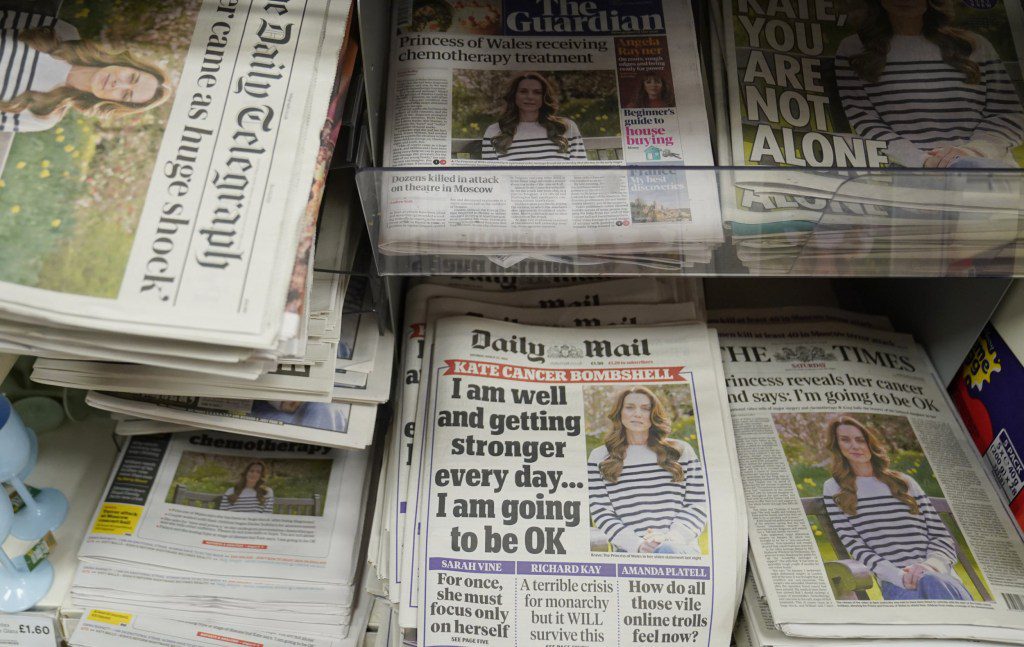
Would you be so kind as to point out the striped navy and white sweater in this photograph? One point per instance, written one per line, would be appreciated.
(645, 498)
(248, 501)
(921, 103)
(531, 144)
(885, 536)
(22, 68)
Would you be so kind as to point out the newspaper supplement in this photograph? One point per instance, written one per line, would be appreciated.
(203, 502)
(870, 512)
(538, 532)
(334, 424)
(829, 86)
(545, 82)
(236, 92)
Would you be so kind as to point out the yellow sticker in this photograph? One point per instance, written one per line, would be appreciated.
(117, 519)
(110, 617)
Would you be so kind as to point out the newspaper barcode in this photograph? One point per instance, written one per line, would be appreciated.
(1014, 600)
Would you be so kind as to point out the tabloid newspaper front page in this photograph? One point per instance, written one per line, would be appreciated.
(579, 488)
(871, 515)
(829, 86)
(181, 197)
(545, 82)
(540, 306)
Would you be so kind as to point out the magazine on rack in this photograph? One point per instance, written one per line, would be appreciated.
(871, 515)
(562, 537)
(550, 83)
(205, 527)
(156, 176)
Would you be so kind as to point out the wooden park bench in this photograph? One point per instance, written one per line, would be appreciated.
(598, 148)
(849, 578)
(307, 507)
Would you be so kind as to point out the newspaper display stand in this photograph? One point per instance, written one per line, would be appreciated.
(852, 222)
(870, 222)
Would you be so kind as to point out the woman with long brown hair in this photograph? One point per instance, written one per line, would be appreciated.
(938, 95)
(48, 71)
(652, 92)
(885, 520)
(251, 493)
(529, 128)
(647, 491)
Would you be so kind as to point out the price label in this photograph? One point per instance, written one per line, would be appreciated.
(27, 630)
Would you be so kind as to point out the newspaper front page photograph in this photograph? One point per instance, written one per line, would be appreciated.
(603, 515)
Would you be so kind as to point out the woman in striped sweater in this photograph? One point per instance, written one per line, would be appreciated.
(647, 491)
(529, 129)
(48, 70)
(886, 521)
(939, 96)
(251, 493)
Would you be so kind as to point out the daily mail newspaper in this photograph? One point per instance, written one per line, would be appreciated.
(186, 502)
(509, 290)
(181, 143)
(413, 397)
(870, 513)
(545, 82)
(579, 488)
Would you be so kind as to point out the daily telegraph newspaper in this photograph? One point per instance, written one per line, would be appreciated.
(218, 504)
(418, 330)
(579, 488)
(546, 82)
(160, 158)
(830, 86)
(870, 512)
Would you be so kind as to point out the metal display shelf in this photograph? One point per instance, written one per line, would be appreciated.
(625, 220)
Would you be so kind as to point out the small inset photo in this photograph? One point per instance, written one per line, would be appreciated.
(881, 522)
(535, 116)
(288, 486)
(646, 482)
(480, 17)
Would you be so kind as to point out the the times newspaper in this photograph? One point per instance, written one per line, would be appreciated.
(221, 134)
(545, 82)
(870, 512)
(579, 488)
(538, 306)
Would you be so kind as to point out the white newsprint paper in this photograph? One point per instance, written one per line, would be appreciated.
(546, 82)
(186, 501)
(871, 512)
(579, 488)
(182, 198)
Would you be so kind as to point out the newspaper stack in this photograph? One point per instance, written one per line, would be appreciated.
(328, 397)
(556, 84)
(756, 628)
(529, 531)
(245, 534)
(178, 246)
(871, 513)
(811, 93)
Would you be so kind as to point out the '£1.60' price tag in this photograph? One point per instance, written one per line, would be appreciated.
(27, 630)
